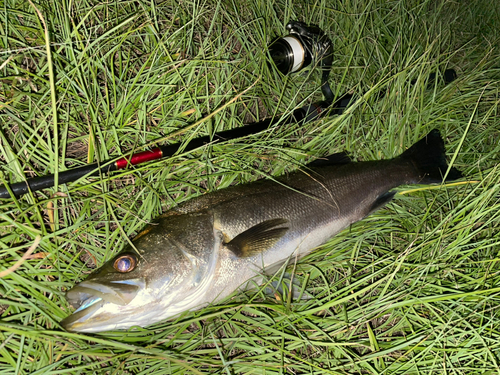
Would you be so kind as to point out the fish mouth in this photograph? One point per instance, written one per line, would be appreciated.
(88, 299)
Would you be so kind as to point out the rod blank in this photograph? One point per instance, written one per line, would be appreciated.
(304, 114)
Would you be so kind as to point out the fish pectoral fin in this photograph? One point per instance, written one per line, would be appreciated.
(258, 238)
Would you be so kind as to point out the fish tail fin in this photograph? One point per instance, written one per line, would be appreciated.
(428, 158)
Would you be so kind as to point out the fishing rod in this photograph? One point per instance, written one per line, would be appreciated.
(301, 47)
(305, 114)
(304, 45)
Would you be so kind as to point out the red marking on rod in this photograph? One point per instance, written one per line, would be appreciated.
(139, 158)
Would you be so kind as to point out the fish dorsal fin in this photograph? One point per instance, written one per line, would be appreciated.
(258, 238)
(334, 159)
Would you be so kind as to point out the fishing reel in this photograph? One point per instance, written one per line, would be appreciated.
(303, 46)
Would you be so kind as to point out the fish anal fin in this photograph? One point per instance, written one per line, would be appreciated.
(258, 238)
(382, 200)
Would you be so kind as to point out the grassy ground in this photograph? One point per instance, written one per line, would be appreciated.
(414, 288)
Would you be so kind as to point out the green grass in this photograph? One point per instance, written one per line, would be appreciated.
(414, 288)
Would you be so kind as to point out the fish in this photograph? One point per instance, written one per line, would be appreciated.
(205, 249)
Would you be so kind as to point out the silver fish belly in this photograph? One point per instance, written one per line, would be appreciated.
(205, 249)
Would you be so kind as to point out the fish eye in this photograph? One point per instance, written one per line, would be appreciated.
(125, 263)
